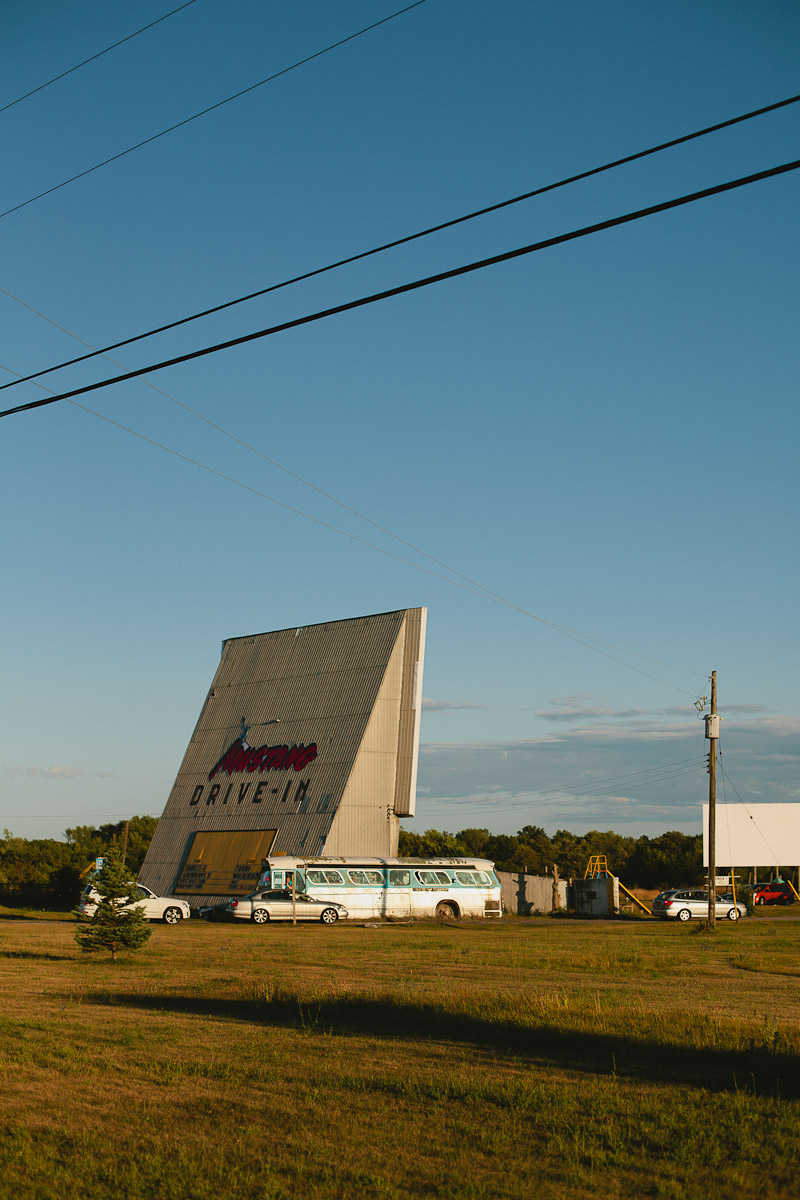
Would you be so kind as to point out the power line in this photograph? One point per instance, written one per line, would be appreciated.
(561, 799)
(403, 240)
(557, 796)
(213, 107)
(99, 54)
(468, 585)
(487, 593)
(725, 776)
(477, 588)
(585, 638)
(681, 763)
(427, 281)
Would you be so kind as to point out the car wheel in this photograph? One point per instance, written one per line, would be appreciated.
(172, 916)
(445, 911)
(329, 916)
(733, 914)
(684, 915)
(787, 900)
(260, 916)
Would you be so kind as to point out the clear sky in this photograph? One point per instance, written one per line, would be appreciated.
(604, 433)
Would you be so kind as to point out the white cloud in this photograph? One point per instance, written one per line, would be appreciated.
(608, 774)
(57, 771)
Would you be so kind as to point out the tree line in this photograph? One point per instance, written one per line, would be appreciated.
(46, 873)
(671, 859)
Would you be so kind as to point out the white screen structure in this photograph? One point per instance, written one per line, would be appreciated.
(761, 835)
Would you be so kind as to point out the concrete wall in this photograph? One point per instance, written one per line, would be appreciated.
(596, 897)
(527, 894)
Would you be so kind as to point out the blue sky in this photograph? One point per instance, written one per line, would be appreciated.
(604, 433)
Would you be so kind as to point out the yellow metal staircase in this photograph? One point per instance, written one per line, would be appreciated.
(598, 869)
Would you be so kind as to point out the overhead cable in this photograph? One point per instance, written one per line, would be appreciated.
(757, 827)
(342, 262)
(477, 589)
(559, 798)
(212, 108)
(584, 639)
(415, 285)
(99, 54)
(468, 585)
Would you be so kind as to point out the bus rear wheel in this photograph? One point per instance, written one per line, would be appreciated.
(446, 911)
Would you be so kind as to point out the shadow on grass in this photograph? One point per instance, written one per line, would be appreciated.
(15, 915)
(769, 1068)
(44, 957)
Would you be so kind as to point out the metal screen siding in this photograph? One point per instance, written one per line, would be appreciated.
(410, 713)
(346, 688)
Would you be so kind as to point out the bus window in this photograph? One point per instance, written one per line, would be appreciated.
(466, 877)
(442, 877)
(316, 876)
(374, 877)
(358, 877)
(428, 877)
(333, 877)
(399, 878)
(482, 878)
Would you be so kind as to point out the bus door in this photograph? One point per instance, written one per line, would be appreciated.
(365, 891)
(398, 893)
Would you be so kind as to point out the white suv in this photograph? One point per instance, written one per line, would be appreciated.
(156, 908)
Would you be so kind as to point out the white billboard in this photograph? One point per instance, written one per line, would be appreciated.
(761, 835)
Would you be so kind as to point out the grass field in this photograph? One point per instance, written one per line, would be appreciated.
(554, 1057)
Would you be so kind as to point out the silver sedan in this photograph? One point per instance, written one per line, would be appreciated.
(262, 907)
(693, 902)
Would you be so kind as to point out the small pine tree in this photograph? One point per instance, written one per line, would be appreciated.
(114, 925)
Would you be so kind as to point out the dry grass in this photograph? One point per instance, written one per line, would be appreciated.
(470, 1061)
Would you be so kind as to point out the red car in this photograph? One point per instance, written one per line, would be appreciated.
(775, 892)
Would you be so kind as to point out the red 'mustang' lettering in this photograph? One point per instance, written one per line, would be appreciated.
(240, 757)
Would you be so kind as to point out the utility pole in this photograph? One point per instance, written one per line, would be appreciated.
(712, 734)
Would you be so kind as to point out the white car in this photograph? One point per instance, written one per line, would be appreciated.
(693, 902)
(156, 908)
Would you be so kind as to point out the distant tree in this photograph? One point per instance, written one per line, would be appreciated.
(618, 850)
(408, 844)
(537, 849)
(475, 841)
(506, 852)
(29, 867)
(89, 842)
(640, 862)
(671, 859)
(430, 844)
(114, 925)
(570, 854)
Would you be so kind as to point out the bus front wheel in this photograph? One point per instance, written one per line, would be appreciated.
(445, 911)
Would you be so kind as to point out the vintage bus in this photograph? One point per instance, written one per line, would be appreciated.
(445, 888)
